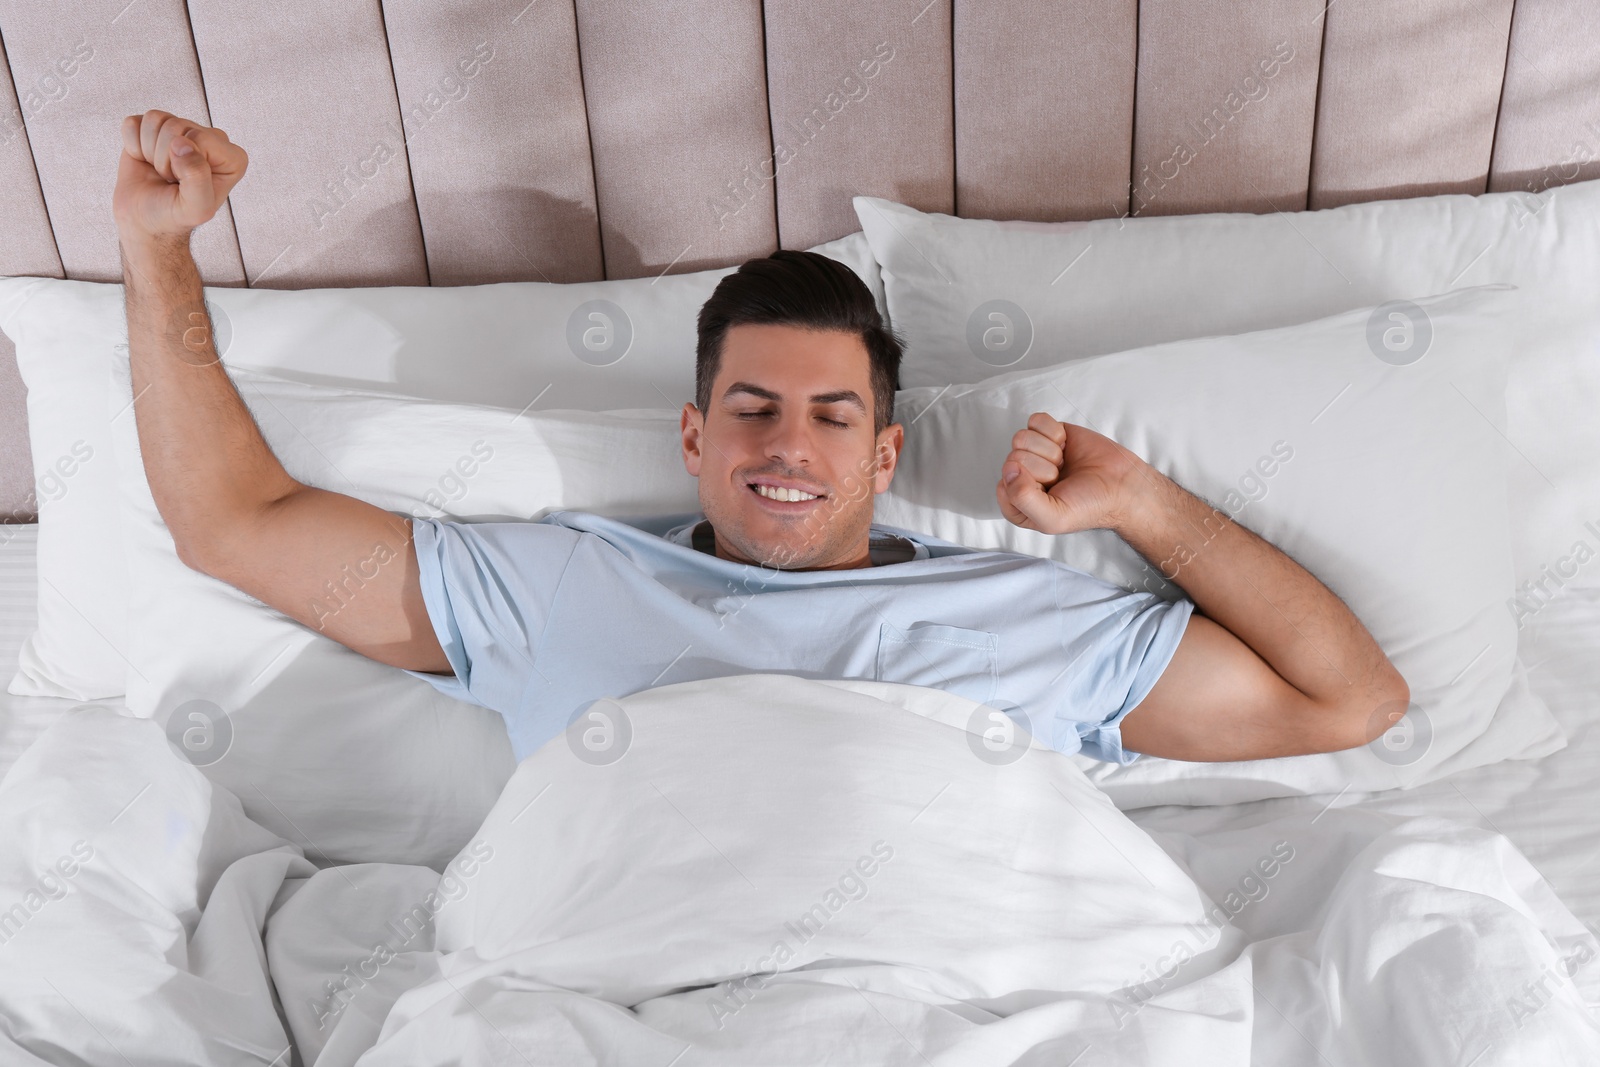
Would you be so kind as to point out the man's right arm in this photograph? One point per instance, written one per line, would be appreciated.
(232, 509)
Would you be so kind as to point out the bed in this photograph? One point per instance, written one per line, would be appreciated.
(225, 840)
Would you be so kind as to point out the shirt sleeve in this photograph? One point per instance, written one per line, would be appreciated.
(488, 588)
(1123, 641)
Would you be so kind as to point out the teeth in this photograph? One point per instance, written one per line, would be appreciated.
(791, 495)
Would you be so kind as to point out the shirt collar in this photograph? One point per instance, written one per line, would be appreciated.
(883, 546)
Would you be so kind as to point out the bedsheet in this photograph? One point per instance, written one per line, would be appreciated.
(1548, 807)
(778, 870)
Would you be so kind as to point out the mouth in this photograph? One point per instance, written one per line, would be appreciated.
(784, 499)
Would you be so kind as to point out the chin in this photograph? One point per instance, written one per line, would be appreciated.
(774, 550)
(783, 555)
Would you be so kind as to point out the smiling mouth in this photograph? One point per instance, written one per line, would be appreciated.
(787, 499)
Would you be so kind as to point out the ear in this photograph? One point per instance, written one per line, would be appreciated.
(889, 444)
(692, 425)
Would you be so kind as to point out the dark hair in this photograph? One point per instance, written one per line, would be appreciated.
(804, 289)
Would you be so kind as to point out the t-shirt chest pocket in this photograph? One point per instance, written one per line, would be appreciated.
(952, 658)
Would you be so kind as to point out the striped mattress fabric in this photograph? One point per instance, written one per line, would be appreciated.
(21, 718)
(18, 583)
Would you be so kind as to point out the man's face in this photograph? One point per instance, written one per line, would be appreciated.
(790, 409)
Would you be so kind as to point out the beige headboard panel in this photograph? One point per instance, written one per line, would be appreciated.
(454, 142)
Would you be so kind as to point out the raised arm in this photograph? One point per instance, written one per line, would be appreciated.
(1272, 662)
(232, 509)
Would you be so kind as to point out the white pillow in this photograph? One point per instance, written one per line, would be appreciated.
(64, 332)
(329, 733)
(1080, 283)
(1386, 481)
(1079, 289)
(354, 760)
(508, 344)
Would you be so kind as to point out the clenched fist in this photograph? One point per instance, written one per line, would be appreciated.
(1060, 478)
(173, 176)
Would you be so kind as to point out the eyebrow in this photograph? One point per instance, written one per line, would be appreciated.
(838, 396)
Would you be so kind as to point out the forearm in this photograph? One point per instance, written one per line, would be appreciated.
(1267, 600)
(207, 463)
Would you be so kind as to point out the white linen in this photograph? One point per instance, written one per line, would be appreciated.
(1105, 285)
(64, 358)
(1077, 289)
(1009, 915)
(589, 345)
(1427, 938)
(1545, 807)
(133, 895)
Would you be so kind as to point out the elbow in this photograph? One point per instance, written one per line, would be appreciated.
(217, 542)
(212, 551)
(1402, 691)
(193, 531)
(193, 554)
(1386, 705)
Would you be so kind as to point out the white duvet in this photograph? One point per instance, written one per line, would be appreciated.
(777, 871)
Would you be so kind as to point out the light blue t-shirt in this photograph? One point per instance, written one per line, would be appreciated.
(541, 619)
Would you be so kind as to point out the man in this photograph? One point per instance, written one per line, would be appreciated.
(790, 437)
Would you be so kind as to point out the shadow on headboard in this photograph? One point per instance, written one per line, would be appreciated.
(457, 142)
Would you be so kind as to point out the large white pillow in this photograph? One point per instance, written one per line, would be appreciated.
(590, 345)
(1386, 480)
(1029, 295)
(1199, 275)
(359, 760)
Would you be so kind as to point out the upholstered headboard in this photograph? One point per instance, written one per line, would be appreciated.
(455, 142)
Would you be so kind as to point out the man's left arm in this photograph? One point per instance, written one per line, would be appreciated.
(1272, 662)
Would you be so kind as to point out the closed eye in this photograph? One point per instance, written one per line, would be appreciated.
(762, 414)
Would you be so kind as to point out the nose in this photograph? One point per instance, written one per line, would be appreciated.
(790, 440)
